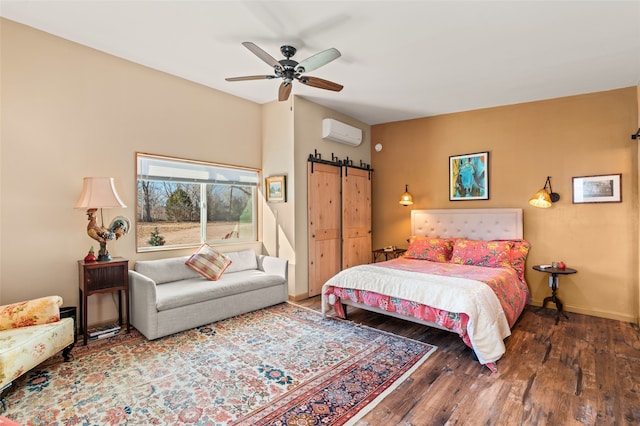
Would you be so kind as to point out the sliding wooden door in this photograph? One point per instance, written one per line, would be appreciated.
(323, 200)
(356, 216)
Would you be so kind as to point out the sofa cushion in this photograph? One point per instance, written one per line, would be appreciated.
(242, 261)
(166, 270)
(189, 292)
(43, 310)
(21, 349)
(209, 262)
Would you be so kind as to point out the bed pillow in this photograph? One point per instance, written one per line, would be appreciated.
(433, 249)
(493, 254)
(519, 253)
(209, 262)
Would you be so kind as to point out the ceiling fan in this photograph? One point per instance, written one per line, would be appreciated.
(289, 70)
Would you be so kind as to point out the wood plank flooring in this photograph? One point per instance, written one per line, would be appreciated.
(581, 371)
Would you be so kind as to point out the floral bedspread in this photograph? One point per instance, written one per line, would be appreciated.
(511, 293)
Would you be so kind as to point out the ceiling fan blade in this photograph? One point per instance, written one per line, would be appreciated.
(250, 77)
(320, 83)
(316, 61)
(284, 91)
(270, 60)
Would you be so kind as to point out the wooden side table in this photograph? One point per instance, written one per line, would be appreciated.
(388, 254)
(554, 286)
(103, 277)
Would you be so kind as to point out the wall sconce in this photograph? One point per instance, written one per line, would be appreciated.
(544, 197)
(407, 198)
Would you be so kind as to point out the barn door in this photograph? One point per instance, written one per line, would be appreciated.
(356, 217)
(324, 223)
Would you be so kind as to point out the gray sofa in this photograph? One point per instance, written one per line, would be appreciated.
(167, 296)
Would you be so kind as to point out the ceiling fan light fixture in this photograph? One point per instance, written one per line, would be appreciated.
(290, 70)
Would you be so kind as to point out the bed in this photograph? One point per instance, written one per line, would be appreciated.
(463, 272)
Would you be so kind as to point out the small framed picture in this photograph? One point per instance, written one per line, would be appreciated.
(276, 187)
(469, 177)
(597, 189)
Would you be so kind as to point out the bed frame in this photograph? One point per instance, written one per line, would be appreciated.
(476, 224)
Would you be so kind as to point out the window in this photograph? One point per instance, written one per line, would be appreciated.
(184, 203)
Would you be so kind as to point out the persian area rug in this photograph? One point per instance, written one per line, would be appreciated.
(284, 365)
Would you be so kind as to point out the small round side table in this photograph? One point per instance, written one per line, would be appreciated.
(554, 286)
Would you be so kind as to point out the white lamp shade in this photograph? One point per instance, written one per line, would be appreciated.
(98, 193)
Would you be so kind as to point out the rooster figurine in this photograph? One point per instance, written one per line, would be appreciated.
(119, 227)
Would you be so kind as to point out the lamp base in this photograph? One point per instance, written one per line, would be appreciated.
(555, 197)
(103, 253)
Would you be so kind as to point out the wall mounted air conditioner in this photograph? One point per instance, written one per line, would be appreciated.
(341, 132)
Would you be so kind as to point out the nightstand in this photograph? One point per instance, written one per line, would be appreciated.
(103, 277)
(388, 254)
(554, 286)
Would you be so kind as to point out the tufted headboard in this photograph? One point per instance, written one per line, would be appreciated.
(475, 224)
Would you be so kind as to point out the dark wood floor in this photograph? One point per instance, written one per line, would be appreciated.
(585, 370)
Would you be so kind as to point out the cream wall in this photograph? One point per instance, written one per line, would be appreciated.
(277, 159)
(308, 138)
(561, 138)
(69, 111)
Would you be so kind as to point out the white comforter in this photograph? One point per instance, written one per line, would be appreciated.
(487, 326)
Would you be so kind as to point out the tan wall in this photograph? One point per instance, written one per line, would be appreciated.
(308, 138)
(69, 111)
(562, 138)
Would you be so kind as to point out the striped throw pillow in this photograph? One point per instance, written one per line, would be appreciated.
(209, 262)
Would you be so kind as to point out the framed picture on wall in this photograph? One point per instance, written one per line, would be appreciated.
(469, 177)
(597, 189)
(276, 188)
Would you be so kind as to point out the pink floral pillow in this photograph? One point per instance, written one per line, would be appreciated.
(433, 249)
(493, 254)
(519, 253)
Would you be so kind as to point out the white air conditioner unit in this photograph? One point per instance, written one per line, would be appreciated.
(341, 132)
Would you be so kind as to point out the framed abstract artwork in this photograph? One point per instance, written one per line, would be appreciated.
(276, 188)
(597, 189)
(469, 177)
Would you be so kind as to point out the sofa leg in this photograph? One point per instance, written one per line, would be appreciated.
(66, 352)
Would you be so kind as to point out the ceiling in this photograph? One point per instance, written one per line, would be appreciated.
(400, 59)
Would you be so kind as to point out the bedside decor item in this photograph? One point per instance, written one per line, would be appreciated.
(469, 177)
(406, 199)
(100, 193)
(597, 189)
(276, 188)
(544, 197)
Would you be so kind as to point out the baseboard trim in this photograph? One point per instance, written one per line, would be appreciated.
(590, 311)
(298, 297)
